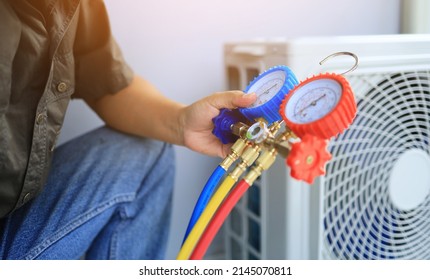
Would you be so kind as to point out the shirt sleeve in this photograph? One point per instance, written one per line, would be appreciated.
(100, 67)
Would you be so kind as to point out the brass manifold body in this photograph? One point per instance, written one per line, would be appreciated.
(257, 146)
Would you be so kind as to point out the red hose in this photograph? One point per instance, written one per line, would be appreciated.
(219, 218)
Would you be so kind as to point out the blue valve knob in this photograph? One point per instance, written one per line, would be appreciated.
(223, 123)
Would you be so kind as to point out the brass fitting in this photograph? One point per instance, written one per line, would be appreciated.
(238, 171)
(249, 155)
(271, 140)
(264, 162)
(260, 133)
(275, 127)
(236, 151)
(239, 129)
(288, 134)
(282, 141)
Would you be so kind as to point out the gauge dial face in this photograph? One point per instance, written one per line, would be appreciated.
(267, 87)
(313, 101)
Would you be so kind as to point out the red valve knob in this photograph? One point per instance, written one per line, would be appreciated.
(307, 158)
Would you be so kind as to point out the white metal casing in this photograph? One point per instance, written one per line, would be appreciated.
(290, 214)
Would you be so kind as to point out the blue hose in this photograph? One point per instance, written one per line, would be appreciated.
(204, 197)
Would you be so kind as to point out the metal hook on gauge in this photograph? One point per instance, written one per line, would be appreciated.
(343, 53)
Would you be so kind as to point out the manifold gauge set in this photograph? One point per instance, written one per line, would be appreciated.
(292, 119)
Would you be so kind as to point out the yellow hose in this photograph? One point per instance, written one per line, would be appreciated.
(205, 217)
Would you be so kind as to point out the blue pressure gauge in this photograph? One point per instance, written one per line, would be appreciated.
(271, 87)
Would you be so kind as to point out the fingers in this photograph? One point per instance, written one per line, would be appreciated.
(245, 100)
(231, 99)
(226, 149)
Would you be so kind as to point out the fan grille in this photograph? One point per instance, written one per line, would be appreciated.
(360, 220)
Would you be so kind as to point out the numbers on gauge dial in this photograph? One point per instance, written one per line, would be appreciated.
(267, 87)
(313, 101)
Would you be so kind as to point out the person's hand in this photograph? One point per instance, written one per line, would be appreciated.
(196, 121)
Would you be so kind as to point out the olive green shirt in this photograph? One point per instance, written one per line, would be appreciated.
(50, 51)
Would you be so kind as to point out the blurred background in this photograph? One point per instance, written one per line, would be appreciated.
(178, 46)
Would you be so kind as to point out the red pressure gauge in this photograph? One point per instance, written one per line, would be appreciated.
(322, 105)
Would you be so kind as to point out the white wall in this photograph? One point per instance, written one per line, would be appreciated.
(178, 46)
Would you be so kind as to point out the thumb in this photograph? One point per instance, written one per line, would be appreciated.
(231, 99)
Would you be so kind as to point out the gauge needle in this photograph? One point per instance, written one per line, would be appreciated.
(313, 103)
(269, 89)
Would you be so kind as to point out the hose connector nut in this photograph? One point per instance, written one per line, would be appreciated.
(264, 162)
(236, 151)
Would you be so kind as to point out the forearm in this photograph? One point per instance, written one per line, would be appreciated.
(140, 109)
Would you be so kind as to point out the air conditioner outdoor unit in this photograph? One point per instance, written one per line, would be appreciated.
(374, 202)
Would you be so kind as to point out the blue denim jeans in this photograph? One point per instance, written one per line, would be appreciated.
(108, 196)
